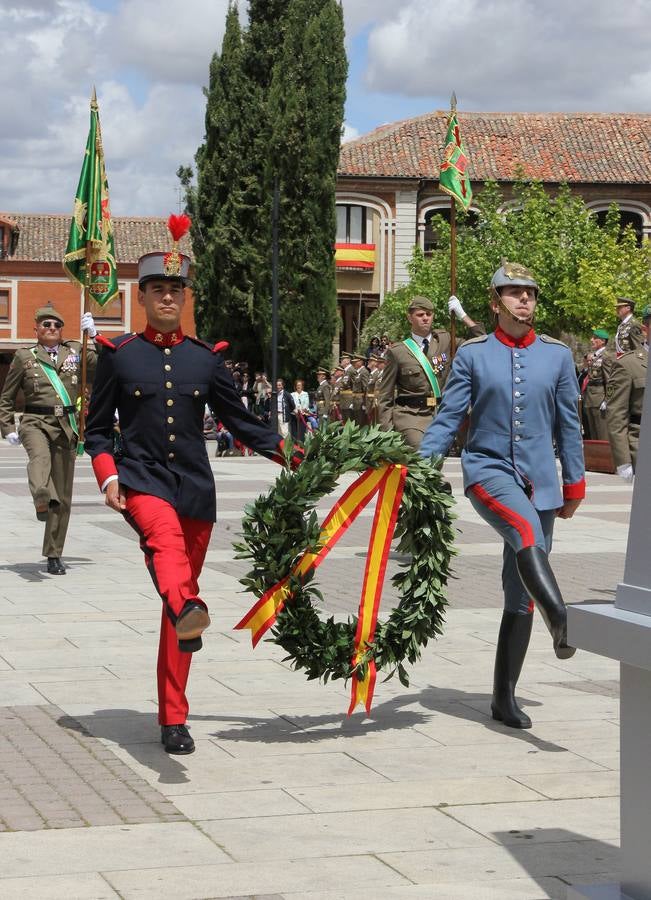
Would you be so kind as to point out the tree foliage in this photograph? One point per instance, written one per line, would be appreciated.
(580, 266)
(274, 107)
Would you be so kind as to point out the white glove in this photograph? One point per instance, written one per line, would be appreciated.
(626, 472)
(13, 439)
(603, 406)
(88, 324)
(454, 306)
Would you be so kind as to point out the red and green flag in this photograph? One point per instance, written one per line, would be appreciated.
(89, 260)
(453, 177)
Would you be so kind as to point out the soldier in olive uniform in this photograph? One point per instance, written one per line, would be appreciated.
(337, 376)
(49, 375)
(625, 400)
(370, 401)
(345, 392)
(629, 331)
(416, 371)
(600, 362)
(359, 382)
(323, 396)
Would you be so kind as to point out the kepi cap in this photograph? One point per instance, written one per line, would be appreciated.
(170, 265)
(646, 312)
(600, 333)
(625, 301)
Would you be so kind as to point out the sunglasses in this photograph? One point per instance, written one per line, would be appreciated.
(51, 323)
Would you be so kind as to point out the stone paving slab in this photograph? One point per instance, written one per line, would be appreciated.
(286, 797)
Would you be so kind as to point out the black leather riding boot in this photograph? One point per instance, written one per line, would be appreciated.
(512, 644)
(541, 585)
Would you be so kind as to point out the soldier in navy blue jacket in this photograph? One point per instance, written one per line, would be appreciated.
(523, 395)
(160, 381)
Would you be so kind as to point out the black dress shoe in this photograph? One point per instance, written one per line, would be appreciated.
(55, 566)
(42, 513)
(176, 739)
(190, 625)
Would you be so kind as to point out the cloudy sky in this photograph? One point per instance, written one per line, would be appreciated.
(149, 61)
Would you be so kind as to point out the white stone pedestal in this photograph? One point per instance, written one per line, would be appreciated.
(623, 631)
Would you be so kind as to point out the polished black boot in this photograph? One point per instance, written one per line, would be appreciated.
(190, 625)
(512, 644)
(541, 585)
(55, 566)
(176, 739)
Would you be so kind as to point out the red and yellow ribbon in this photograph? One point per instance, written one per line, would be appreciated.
(389, 481)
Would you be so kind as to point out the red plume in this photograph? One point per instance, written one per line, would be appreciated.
(220, 346)
(178, 226)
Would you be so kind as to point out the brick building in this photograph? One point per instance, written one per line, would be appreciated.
(387, 188)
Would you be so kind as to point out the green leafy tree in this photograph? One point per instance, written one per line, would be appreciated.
(581, 267)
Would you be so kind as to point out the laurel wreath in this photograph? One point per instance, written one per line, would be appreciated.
(279, 526)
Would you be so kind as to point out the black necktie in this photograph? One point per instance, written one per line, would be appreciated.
(425, 346)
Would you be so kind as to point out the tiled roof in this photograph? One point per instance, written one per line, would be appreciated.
(43, 237)
(574, 147)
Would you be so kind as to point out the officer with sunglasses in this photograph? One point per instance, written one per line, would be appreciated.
(49, 375)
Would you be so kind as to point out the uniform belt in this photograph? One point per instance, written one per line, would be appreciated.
(346, 393)
(415, 400)
(50, 410)
(635, 420)
(359, 394)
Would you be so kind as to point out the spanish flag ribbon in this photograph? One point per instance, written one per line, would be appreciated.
(384, 524)
(389, 481)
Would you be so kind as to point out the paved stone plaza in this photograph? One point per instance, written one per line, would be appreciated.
(286, 797)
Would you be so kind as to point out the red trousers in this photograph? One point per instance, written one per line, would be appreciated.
(175, 548)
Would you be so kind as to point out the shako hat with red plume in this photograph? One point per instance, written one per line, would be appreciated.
(170, 264)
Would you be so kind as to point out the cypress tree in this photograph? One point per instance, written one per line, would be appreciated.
(306, 101)
(274, 106)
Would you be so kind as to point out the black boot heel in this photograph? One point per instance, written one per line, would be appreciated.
(191, 645)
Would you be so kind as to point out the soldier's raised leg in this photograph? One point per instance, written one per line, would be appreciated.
(39, 465)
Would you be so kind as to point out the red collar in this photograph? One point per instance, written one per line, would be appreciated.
(505, 338)
(163, 340)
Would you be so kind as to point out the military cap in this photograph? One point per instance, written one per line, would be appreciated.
(337, 369)
(600, 333)
(420, 303)
(323, 369)
(361, 356)
(167, 264)
(625, 301)
(646, 312)
(48, 312)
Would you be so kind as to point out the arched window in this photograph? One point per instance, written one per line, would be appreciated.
(626, 217)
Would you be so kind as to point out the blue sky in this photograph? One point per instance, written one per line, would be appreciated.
(149, 61)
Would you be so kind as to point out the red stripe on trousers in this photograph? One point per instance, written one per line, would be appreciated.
(521, 525)
(175, 548)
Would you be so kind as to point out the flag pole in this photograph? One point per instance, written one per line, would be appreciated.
(84, 338)
(453, 252)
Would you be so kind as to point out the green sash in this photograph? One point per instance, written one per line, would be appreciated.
(60, 389)
(425, 364)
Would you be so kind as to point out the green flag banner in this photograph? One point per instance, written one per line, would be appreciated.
(89, 260)
(453, 177)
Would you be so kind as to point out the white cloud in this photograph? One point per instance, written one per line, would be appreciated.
(349, 134)
(515, 54)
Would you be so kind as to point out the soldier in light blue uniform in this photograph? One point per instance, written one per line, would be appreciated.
(523, 394)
